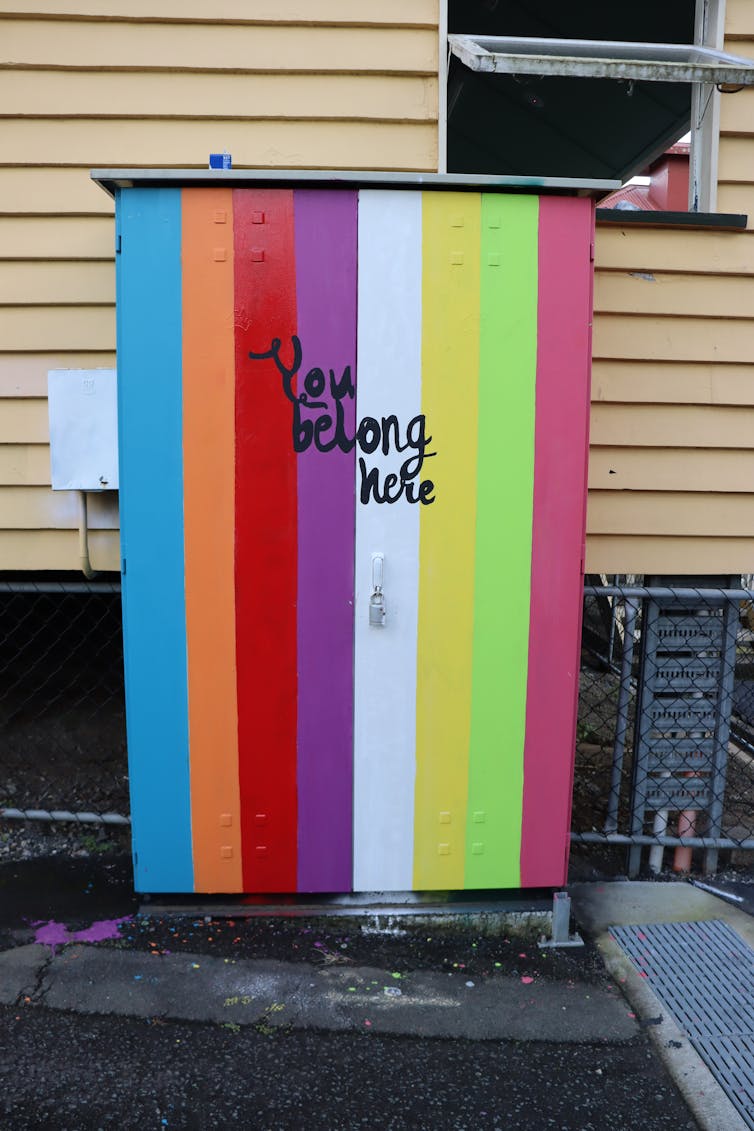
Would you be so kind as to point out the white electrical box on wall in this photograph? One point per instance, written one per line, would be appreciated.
(83, 429)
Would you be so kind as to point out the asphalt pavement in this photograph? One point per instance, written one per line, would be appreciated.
(115, 1015)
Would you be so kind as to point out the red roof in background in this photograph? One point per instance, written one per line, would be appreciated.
(635, 195)
(642, 197)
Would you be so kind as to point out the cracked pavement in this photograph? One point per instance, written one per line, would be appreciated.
(89, 979)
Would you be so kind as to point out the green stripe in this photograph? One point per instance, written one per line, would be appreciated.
(505, 486)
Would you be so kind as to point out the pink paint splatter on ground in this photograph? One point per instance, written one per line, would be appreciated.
(527, 981)
(57, 934)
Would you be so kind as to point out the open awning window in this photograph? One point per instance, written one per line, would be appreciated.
(574, 107)
(595, 59)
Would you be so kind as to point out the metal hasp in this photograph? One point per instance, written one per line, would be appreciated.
(377, 597)
(684, 701)
(561, 921)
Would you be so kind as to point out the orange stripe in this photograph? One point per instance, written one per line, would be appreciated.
(209, 525)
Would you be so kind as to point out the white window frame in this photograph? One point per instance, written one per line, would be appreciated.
(709, 30)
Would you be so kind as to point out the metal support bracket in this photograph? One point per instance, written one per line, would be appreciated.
(561, 921)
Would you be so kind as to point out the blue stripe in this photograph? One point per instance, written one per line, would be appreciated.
(151, 520)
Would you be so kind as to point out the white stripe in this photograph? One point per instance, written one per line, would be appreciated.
(388, 382)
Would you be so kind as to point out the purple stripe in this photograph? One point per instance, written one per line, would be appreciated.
(326, 234)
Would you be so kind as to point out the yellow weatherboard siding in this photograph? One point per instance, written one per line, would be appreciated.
(672, 422)
(60, 94)
(35, 549)
(676, 382)
(408, 13)
(25, 464)
(96, 83)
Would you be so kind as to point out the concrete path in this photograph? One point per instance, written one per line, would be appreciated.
(188, 987)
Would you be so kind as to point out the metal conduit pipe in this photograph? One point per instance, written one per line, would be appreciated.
(64, 815)
(666, 841)
(59, 587)
(84, 562)
(621, 726)
(669, 593)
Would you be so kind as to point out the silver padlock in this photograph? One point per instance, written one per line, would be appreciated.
(377, 609)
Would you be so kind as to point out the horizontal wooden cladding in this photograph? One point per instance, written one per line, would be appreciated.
(52, 191)
(657, 426)
(404, 13)
(734, 160)
(653, 249)
(658, 292)
(57, 549)
(669, 512)
(627, 337)
(671, 469)
(671, 383)
(24, 421)
(739, 19)
(663, 554)
(74, 94)
(39, 508)
(57, 327)
(737, 110)
(38, 283)
(24, 465)
(217, 47)
(739, 198)
(25, 374)
(57, 237)
(311, 145)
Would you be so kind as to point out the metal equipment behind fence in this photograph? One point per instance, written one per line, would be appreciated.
(665, 737)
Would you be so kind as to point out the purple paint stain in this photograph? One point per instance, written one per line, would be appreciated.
(57, 934)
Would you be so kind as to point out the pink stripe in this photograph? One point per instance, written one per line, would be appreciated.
(326, 300)
(560, 455)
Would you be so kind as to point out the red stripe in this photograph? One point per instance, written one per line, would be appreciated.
(266, 540)
(560, 454)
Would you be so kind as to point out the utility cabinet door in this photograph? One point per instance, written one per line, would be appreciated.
(236, 339)
(473, 362)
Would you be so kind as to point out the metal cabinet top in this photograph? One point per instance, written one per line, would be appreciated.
(112, 179)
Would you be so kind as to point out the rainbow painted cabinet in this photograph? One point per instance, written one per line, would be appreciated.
(353, 436)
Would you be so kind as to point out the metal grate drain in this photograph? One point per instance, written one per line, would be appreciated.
(703, 972)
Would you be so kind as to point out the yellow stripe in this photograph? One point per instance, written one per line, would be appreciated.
(450, 365)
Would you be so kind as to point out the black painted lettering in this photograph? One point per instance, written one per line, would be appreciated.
(325, 429)
(314, 387)
(368, 435)
(370, 483)
(425, 490)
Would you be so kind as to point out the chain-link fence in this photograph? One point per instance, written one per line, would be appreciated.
(665, 735)
(62, 718)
